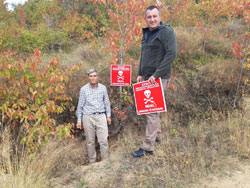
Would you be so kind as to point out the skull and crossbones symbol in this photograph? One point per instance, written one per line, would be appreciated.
(147, 94)
(120, 75)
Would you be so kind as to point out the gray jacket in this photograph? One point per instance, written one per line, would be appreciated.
(158, 51)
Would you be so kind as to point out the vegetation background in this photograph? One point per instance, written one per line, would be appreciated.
(46, 46)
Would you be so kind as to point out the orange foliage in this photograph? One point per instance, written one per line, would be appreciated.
(126, 21)
(77, 26)
(31, 95)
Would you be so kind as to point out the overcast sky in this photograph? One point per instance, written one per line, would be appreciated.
(14, 2)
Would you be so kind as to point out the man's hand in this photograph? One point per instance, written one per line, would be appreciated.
(79, 125)
(109, 120)
(139, 79)
(151, 79)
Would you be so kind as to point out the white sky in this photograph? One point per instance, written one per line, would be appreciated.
(14, 2)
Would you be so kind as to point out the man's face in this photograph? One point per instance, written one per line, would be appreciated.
(93, 78)
(153, 19)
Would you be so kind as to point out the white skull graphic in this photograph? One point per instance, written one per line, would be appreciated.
(147, 93)
(120, 73)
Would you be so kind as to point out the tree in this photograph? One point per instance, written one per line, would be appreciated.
(124, 29)
(3, 11)
(241, 48)
(31, 95)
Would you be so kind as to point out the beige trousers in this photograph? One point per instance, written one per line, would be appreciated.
(153, 126)
(96, 125)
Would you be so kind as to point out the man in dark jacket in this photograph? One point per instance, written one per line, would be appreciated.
(158, 51)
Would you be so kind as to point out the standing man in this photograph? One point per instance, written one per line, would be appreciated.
(94, 112)
(158, 51)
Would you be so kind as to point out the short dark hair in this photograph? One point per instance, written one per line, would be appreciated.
(151, 7)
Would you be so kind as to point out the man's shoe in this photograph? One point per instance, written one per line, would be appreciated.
(141, 153)
(138, 153)
(158, 140)
(148, 152)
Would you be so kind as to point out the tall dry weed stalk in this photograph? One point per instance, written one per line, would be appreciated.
(24, 170)
(238, 125)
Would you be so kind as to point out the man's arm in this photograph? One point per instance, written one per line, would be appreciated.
(79, 125)
(109, 120)
(169, 42)
(107, 106)
(139, 77)
(81, 103)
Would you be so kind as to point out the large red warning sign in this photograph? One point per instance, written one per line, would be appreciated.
(149, 98)
(120, 75)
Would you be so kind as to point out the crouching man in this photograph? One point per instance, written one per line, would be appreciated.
(93, 113)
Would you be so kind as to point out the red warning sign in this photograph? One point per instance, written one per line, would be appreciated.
(120, 75)
(149, 98)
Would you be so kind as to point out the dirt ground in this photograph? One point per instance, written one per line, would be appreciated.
(235, 175)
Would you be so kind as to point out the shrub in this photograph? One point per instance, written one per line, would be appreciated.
(32, 94)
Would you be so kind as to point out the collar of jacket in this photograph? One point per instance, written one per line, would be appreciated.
(146, 29)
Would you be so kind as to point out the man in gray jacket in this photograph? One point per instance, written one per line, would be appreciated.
(158, 51)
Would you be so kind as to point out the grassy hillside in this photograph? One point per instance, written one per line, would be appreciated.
(201, 128)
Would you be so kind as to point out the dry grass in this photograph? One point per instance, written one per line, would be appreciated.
(200, 91)
(19, 169)
(222, 72)
(185, 155)
(84, 55)
(193, 49)
(233, 29)
(187, 42)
